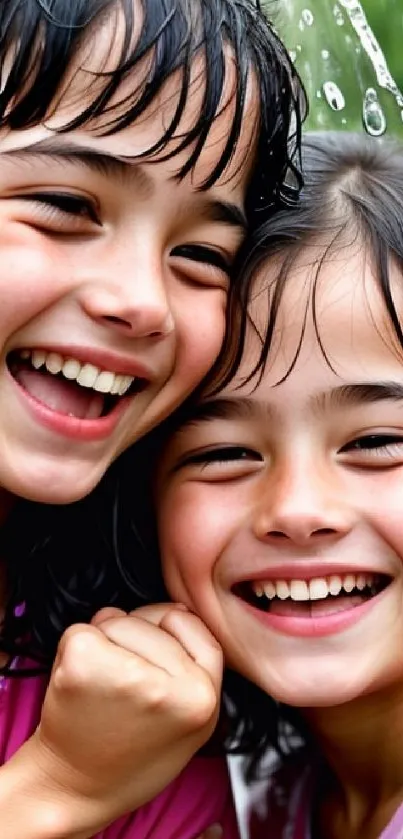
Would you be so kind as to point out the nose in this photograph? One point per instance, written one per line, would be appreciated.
(129, 293)
(302, 503)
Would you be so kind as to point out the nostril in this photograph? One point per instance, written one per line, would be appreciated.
(118, 321)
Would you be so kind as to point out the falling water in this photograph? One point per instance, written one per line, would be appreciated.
(344, 68)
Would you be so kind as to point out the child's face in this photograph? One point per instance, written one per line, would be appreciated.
(281, 508)
(115, 265)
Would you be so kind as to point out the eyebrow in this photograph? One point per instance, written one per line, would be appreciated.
(246, 407)
(121, 166)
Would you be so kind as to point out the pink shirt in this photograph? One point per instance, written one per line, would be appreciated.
(199, 797)
(287, 810)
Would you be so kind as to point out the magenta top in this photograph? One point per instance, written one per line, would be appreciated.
(199, 797)
(286, 810)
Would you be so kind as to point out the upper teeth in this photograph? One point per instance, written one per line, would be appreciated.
(84, 374)
(315, 589)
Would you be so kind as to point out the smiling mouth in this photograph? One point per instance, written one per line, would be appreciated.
(69, 386)
(317, 597)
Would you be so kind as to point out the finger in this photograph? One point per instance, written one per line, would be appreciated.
(152, 643)
(198, 642)
(106, 613)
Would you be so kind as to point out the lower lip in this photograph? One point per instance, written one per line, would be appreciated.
(316, 627)
(73, 427)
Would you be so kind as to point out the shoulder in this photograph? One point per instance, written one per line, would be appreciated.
(198, 797)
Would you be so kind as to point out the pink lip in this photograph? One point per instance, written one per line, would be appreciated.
(103, 359)
(308, 570)
(315, 627)
(76, 429)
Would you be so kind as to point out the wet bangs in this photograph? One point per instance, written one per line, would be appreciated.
(42, 41)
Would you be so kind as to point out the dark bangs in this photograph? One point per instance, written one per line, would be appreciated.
(42, 40)
(352, 195)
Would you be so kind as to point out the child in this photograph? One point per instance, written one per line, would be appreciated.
(129, 138)
(279, 502)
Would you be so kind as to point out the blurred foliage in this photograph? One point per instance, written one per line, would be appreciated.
(349, 56)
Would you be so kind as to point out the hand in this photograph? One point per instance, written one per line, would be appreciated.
(131, 698)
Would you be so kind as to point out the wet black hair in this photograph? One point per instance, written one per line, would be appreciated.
(352, 195)
(43, 41)
(64, 563)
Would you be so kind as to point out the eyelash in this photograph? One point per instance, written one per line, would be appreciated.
(204, 255)
(64, 204)
(377, 444)
(225, 454)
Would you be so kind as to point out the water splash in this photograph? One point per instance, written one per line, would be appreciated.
(307, 17)
(373, 50)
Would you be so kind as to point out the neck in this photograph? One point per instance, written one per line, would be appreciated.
(6, 504)
(358, 741)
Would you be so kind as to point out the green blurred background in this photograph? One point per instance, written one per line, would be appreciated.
(349, 55)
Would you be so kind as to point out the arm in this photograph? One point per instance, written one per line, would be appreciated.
(130, 700)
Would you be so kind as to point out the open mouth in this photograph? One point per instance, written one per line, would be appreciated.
(316, 597)
(70, 386)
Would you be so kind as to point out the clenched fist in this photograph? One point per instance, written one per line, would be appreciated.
(131, 698)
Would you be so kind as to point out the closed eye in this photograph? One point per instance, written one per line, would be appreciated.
(203, 254)
(224, 454)
(376, 449)
(67, 204)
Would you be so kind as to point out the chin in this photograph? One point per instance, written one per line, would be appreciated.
(61, 486)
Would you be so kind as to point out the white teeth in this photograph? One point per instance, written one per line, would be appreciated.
(349, 583)
(71, 368)
(282, 590)
(315, 589)
(269, 590)
(335, 585)
(86, 375)
(53, 362)
(38, 359)
(299, 590)
(318, 589)
(104, 382)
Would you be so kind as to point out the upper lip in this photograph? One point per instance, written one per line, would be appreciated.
(104, 359)
(307, 570)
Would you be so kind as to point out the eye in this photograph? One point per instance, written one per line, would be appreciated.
(376, 449)
(202, 264)
(63, 208)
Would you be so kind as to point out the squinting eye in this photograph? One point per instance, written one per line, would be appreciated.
(225, 454)
(203, 254)
(65, 203)
(373, 448)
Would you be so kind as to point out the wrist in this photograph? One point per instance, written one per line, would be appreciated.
(34, 806)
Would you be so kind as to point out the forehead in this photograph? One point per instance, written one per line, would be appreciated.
(84, 80)
(332, 319)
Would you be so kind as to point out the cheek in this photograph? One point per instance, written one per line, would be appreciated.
(200, 323)
(193, 532)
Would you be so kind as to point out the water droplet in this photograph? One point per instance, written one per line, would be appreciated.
(325, 54)
(373, 116)
(370, 45)
(298, 48)
(307, 17)
(344, 121)
(293, 55)
(318, 94)
(334, 96)
(338, 16)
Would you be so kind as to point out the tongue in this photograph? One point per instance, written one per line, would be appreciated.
(60, 395)
(315, 608)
